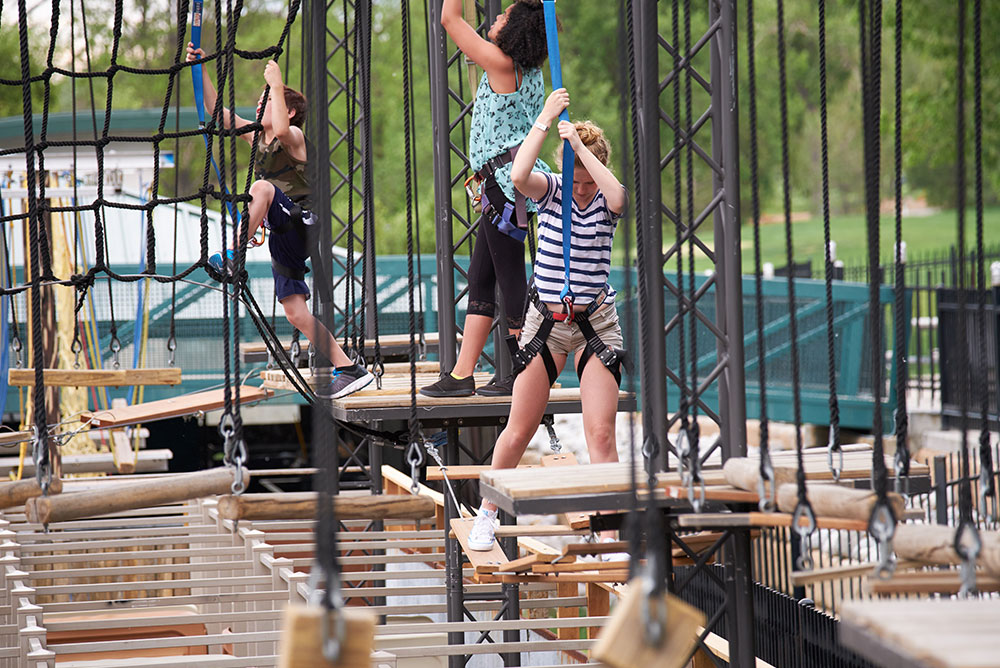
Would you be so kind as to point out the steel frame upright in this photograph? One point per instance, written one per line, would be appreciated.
(339, 75)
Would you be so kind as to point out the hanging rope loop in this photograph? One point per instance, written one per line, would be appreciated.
(882, 527)
(804, 511)
(76, 346)
(333, 630)
(968, 545)
(234, 451)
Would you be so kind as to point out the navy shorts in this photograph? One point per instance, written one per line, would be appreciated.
(286, 247)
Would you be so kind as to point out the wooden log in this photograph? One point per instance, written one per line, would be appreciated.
(17, 492)
(622, 642)
(934, 544)
(97, 377)
(836, 501)
(130, 496)
(302, 638)
(744, 473)
(302, 505)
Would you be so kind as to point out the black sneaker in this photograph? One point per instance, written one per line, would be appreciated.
(449, 386)
(346, 380)
(498, 387)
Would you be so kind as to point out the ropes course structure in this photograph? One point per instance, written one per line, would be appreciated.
(730, 512)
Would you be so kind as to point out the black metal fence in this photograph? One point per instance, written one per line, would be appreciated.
(925, 276)
(787, 632)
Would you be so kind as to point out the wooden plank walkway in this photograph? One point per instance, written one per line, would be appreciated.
(187, 404)
(924, 634)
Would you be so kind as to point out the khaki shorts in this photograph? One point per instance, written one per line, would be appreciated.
(566, 338)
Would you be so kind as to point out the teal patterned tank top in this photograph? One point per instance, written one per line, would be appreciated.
(501, 121)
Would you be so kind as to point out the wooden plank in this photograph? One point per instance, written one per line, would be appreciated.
(395, 384)
(465, 472)
(932, 633)
(354, 402)
(556, 578)
(622, 643)
(524, 564)
(842, 572)
(482, 561)
(302, 505)
(188, 404)
(96, 377)
(121, 447)
(930, 582)
(8, 438)
(575, 520)
(384, 340)
(100, 462)
(756, 519)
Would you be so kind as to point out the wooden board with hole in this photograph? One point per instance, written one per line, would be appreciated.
(393, 384)
(482, 560)
(187, 404)
(930, 633)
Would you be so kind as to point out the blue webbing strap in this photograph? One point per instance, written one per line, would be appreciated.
(199, 97)
(555, 68)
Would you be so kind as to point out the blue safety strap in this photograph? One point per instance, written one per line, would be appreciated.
(199, 97)
(555, 68)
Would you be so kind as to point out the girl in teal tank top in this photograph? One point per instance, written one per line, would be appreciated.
(509, 98)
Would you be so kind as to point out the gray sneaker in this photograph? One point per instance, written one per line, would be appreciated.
(346, 380)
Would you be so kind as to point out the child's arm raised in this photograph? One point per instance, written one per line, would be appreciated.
(533, 184)
(605, 180)
(289, 135)
(230, 119)
(483, 52)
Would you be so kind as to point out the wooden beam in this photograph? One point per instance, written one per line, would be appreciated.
(836, 501)
(130, 496)
(756, 519)
(187, 404)
(99, 462)
(934, 544)
(483, 561)
(17, 492)
(929, 582)
(124, 456)
(302, 638)
(96, 377)
(302, 505)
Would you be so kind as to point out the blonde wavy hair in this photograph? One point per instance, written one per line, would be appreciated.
(593, 138)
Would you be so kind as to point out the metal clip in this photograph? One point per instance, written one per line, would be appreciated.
(654, 623)
(767, 501)
(116, 347)
(901, 469)
(554, 444)
(882, 527)
(968, 545)
(311, 354)
(296, 351)
(76, 347)
(831, 448)
(415, 458)
(987, 490)
(171, 349)
(804, 511)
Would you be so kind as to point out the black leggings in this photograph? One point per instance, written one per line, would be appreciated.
(497, 258)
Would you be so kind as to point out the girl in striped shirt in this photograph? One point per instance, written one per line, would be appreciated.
(599, 200)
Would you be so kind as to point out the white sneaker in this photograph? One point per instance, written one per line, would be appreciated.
(483, 531)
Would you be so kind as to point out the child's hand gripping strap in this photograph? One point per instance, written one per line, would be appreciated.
(199, 91)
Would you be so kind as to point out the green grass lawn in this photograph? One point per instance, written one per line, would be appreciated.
(925, 234)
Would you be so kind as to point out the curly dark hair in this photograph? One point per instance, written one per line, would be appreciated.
(523, 36)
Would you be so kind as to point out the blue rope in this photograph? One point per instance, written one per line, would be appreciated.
(137, 330)
(555, 68)
(199, 98)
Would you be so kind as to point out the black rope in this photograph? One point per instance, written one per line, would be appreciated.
(412, 424)
(899, 356)
(803, 505)
(682, 308)
(694, 432)
(350, 100)
(368, 263)
(987, 477)
(831, 362)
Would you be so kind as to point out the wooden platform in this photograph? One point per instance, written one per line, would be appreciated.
(100, 462)
(608, 486)
(925, 634)
(187, 404)
(395, 382)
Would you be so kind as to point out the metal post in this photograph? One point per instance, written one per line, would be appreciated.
(648, 218)
(940, 490)
(729, 279)
(741, 613)
(453, 558)
(438, 65)
(511, 595)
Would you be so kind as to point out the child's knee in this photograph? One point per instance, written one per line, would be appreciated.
(262, 190)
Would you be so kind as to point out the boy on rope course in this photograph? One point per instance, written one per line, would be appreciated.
(280, 201)
(551, 332)
(509, 98)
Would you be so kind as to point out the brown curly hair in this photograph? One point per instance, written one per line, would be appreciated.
(593, 138)
(296, 101)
